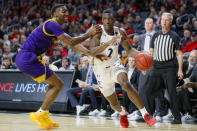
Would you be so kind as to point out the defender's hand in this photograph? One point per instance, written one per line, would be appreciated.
(95, 29)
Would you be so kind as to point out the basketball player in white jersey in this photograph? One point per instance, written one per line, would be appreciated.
(110, 71)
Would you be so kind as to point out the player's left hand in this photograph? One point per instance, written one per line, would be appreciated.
(180, 74)
(95, 29)
(102, 57)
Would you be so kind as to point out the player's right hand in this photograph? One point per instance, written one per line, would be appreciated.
(102, 57)
(95, 29)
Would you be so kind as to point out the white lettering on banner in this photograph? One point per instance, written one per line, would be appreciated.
(17, 89)
(42, 88)
(30, 88)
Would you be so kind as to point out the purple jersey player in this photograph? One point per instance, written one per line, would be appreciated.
(28, 59)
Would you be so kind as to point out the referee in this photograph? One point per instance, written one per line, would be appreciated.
(165, 47)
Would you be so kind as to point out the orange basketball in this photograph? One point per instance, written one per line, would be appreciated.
(143, 61)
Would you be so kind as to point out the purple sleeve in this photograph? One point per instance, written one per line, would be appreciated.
(52, 27)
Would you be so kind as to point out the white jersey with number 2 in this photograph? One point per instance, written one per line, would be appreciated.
(106, 71)
(111, 51)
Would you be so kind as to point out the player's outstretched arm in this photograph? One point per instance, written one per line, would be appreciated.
(72, 41)
(131, 51)
(80, 48)
(96, 48)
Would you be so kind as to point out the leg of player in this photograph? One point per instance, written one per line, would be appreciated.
(55, 86)
(41, 117)
(113, 100)
(134, 97)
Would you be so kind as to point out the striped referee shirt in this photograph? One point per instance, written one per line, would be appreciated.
(165, 45)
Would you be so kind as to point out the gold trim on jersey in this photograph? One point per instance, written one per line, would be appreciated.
(48, 34)
(41, 78)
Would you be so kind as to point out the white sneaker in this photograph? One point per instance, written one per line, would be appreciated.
(79, 109)
(187, 118)
(169, 116)
(132, 114)
(135, 117)
(115, 114)
(94, 112)
(158, 118)
(102, 113)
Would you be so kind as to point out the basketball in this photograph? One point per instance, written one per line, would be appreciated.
(143, 62)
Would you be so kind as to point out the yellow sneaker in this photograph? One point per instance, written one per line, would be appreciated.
(54, 123)
(42, 119)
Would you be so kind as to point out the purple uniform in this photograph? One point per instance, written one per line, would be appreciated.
(39, 41)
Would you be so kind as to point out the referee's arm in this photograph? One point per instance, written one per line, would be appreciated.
(180, 62)
(179, 55)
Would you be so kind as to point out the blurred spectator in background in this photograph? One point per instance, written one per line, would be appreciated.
(194, 29)
(191, 45)
(83, 62)
(1, 56)
(47, 61)
(189, 64)
(56, 57)
(73, 56)
(15, 45)
(135, 43)
(66, 65)
(7, 51)
(22, 38)
(124, 58)
(63, 50)
(138, 25)
(6, 40)
(186, 38)
(7, 63)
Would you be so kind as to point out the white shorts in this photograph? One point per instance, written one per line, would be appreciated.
(107, 77)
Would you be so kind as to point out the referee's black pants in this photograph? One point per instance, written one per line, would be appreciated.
(158, 102)
(168, 76)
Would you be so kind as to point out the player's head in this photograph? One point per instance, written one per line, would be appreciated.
(108, 19)
(60, 12)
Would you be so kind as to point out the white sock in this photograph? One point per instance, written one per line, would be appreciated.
(42, 111)
(143, 111)
(123, 112)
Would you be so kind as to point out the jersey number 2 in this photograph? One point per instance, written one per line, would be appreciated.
(110, 52)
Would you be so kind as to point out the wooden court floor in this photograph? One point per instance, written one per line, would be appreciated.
(21, 122)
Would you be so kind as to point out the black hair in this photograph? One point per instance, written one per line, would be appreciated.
(110, 11)
(55, 7)
(66, 58)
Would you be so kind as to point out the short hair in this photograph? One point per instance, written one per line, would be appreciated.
(169, 14)
(149, 19)
(110, 11)
(55, 7)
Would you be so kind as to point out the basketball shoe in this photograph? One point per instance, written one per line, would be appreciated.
(124, 121)
(43, 120)
(54, 123)
(149, 119)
